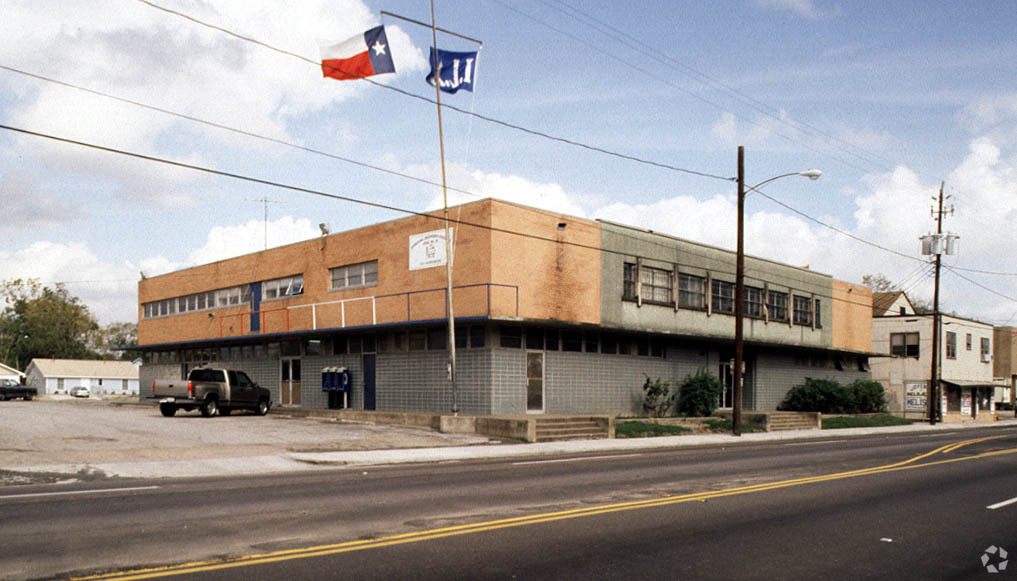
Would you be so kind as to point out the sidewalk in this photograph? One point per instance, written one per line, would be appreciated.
(492, 449)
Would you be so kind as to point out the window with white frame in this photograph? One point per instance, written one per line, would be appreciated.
(753, 302)
(691, 291)
(776, 306)
(951, 345)
(986, 354)
(655, 284)
(904, 344)
(723, 296)
(280, 288)
(802, 310)
(354, 275)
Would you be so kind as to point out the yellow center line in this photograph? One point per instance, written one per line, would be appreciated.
(432, 534)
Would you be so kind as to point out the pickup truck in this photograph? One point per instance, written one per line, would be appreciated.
(212, 391)
(12, 390)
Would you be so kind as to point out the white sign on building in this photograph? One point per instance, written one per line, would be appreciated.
(427, 250)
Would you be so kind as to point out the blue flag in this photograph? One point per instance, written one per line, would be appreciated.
(456, 70)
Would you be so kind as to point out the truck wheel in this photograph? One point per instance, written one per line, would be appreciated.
(210, 408)
(168, 409)
(28, 397)
(262, 407)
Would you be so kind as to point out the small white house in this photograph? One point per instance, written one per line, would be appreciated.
(59, 376)
(9, 373)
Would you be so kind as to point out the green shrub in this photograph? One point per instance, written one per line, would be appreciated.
(657, 397)
(817, 395)
(699, 395)
(869, 396)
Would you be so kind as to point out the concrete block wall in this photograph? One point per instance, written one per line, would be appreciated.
(776, 373)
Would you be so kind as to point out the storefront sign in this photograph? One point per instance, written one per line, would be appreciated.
(915, 395)
(427, 250)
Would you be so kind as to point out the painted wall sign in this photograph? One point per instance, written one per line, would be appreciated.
(427, 250)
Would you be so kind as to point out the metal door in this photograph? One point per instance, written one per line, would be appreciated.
(369, 388)
(289, 385)
(534, 381)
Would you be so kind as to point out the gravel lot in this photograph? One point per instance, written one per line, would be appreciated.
(54, 430)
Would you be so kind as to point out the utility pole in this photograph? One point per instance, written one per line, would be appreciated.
(737, 379)
(936, 245)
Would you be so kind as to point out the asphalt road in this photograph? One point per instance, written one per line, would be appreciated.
(899, 506)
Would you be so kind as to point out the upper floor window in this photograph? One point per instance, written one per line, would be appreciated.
(723, 296)
(776, 306)
(282, 287)
(969, 342)
(691, 291)
(951, 345)
(986, 356)
(354, 275)
(753, 302)
(802, 310)
(655, 284)
(904, 344)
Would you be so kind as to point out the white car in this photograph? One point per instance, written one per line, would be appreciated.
(81, 391)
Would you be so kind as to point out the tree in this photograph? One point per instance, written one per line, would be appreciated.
(880, 284)
(109, 341)
(39, 321)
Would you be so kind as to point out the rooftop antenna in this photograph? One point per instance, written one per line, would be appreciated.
(266, 202)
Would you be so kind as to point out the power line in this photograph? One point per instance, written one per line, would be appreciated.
(444, 105)
(656, 55)
(350, 199)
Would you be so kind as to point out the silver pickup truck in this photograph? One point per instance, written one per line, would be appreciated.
(213, 391)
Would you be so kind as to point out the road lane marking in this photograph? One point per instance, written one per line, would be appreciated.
(433, 534)
(816, 442)
(562, 460)
(1002, 504)
(70, 492)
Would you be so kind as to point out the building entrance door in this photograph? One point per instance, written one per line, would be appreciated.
(534, 381)
(727, 378)
(289, 385)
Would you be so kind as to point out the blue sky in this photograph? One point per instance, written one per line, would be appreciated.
(887, 99)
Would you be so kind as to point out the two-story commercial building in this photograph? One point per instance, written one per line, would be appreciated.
(904, 337)
(552, 313)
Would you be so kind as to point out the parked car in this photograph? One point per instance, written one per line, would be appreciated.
(81, 391)
(212, 391)
(10, 390)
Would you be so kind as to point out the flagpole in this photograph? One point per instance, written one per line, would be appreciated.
(448, 238)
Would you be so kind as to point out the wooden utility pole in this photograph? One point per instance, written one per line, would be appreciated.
(736, 403)
(933, 403)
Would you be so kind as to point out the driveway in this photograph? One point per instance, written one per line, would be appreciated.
(84, 432)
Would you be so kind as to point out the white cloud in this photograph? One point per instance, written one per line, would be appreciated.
(800, 7)
(229, 241)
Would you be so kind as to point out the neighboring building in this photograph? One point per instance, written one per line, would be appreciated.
(9, 373)
(59, 376)
(1004, 363)
(553, 314)
(905, 369)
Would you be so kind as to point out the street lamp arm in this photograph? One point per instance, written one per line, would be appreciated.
(812, 174)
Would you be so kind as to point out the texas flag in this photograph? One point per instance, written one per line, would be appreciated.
(361, 56)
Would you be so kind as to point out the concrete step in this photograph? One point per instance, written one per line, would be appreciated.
(570, 428)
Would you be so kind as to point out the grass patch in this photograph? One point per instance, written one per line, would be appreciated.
(646, 430)
(881, 420)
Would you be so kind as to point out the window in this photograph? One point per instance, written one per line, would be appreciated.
(753, 302)
(802, 310)
(819, 321)
(723, 297)
(477, 333)
(592, 345)
(904, 344)
(511, 337)
(655, 284)
(418, 340)
(986, 356)
(691, 291)
(969, 342)
(355, 275)
(282, 287)
(951, 345)
(571, 341)
(776, 306)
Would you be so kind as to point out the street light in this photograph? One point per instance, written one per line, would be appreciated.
(812, 174)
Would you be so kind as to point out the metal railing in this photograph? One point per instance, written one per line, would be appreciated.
(322, 309)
